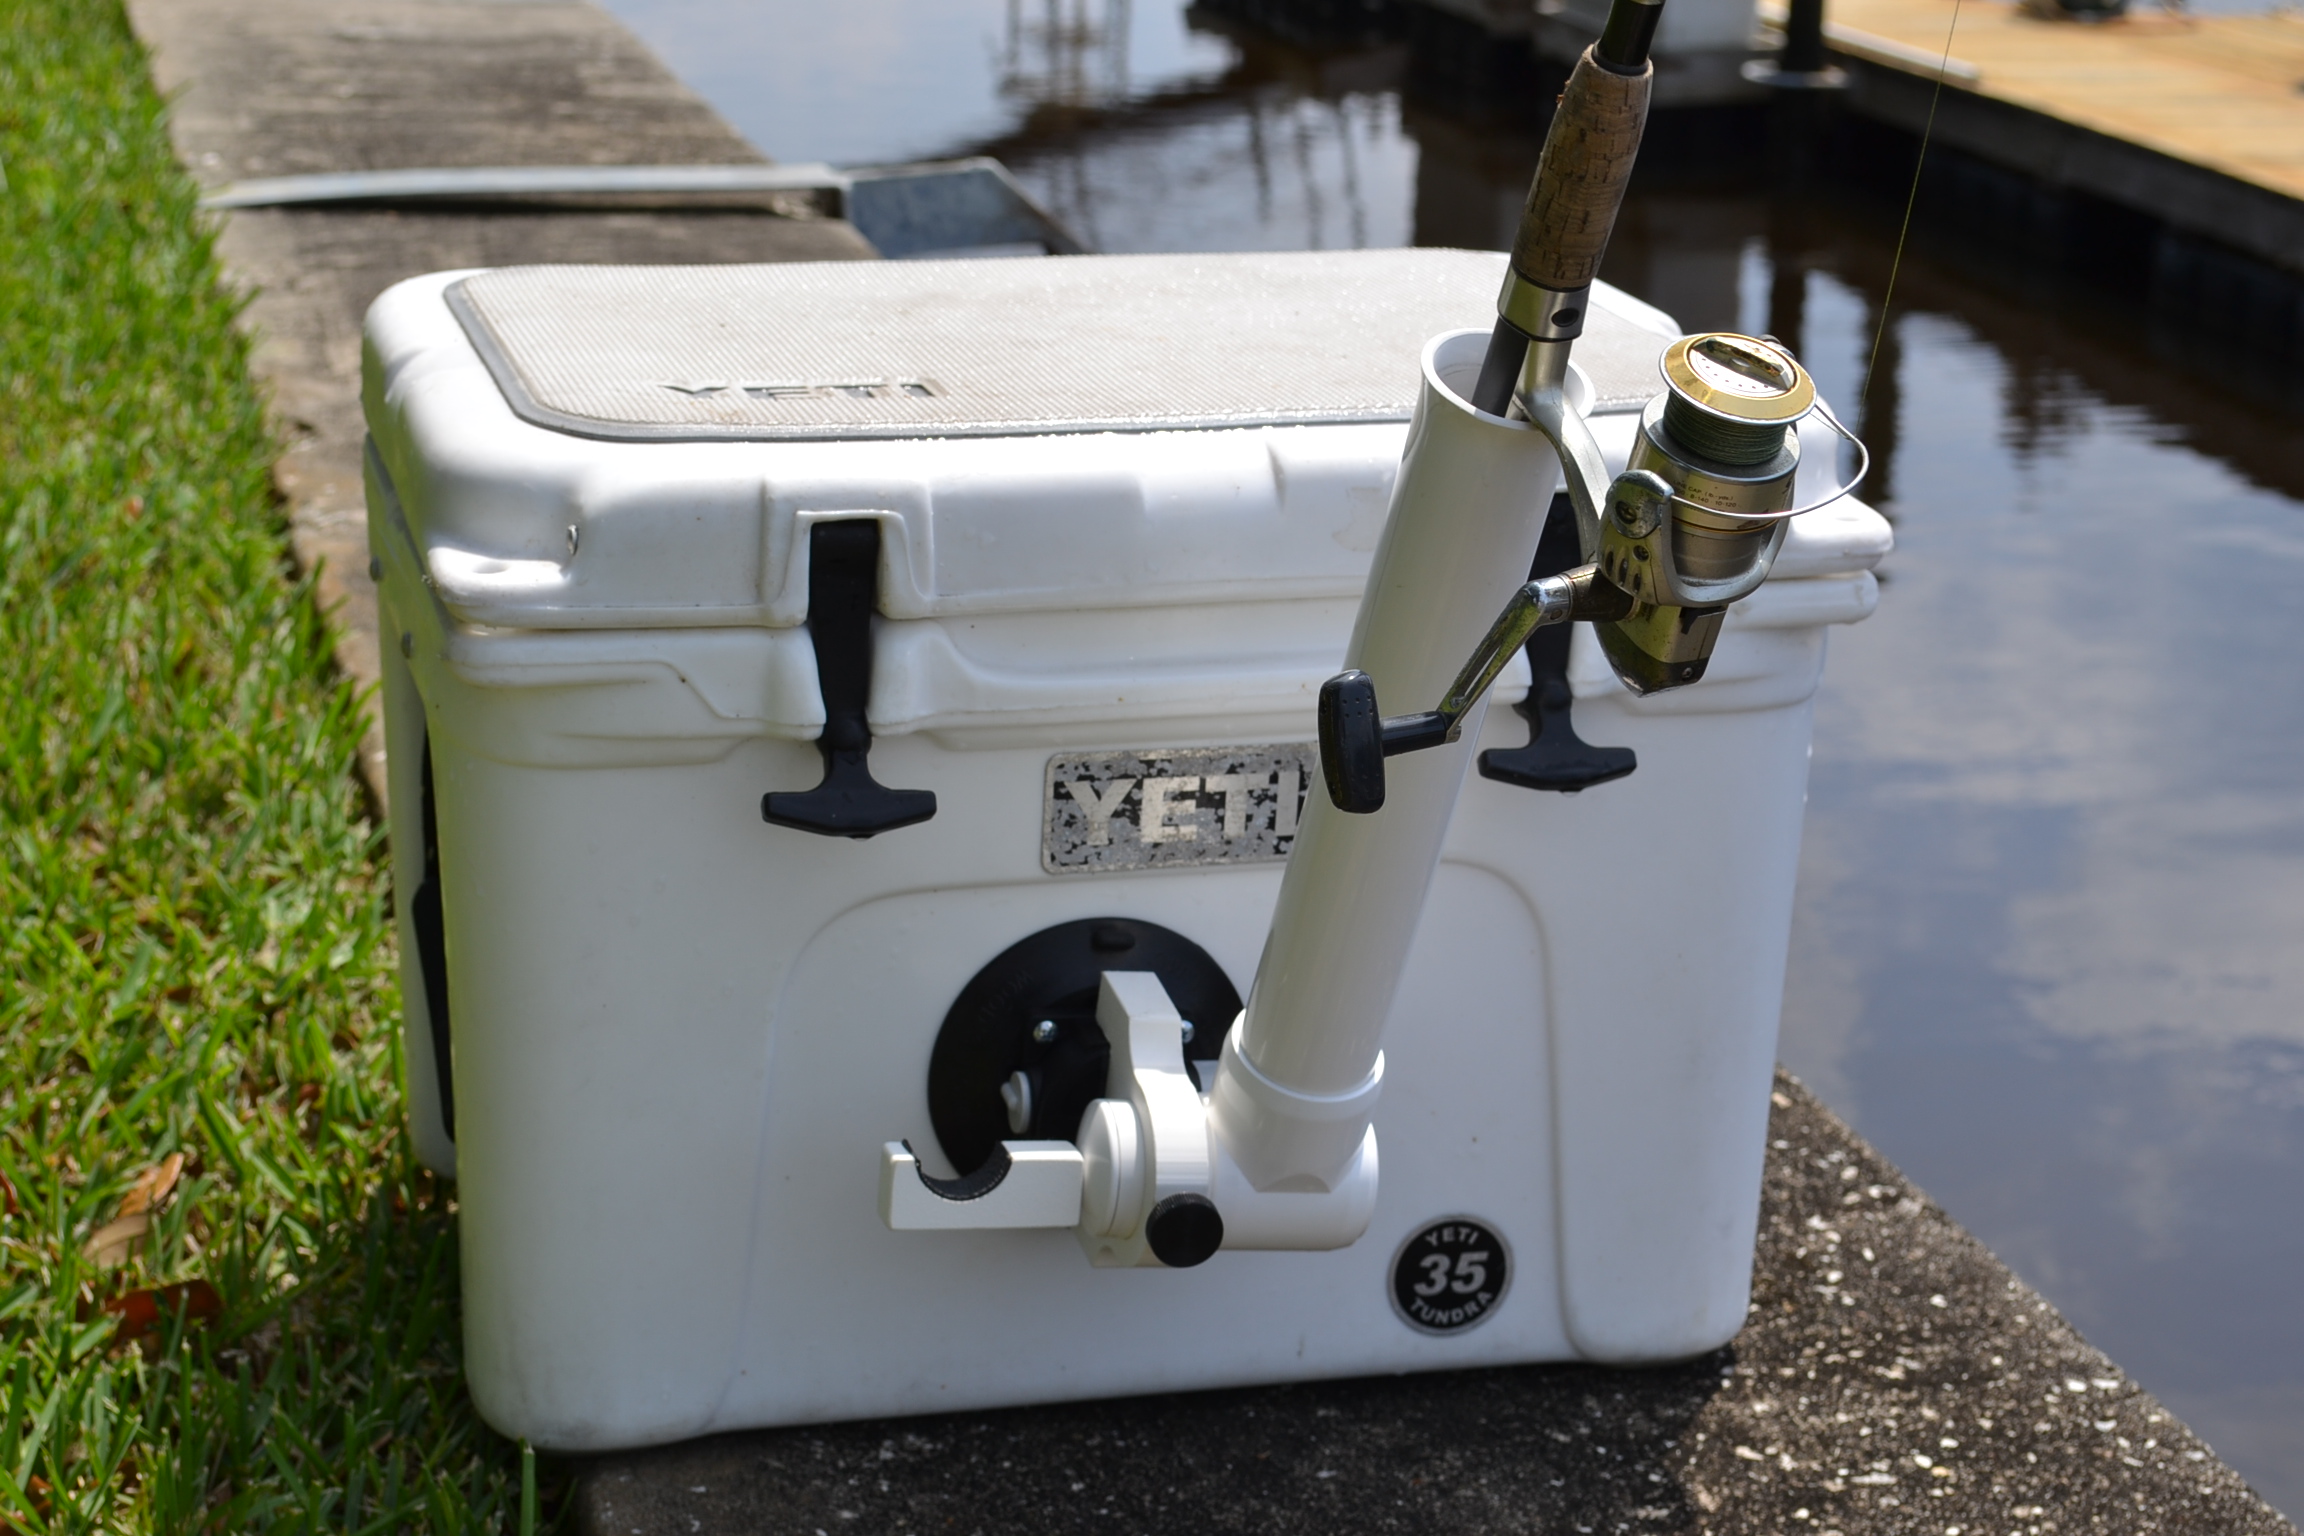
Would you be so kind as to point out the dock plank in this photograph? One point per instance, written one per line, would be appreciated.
(2218, 92)
(2194, 122)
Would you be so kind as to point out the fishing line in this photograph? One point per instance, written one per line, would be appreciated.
(1896, 263)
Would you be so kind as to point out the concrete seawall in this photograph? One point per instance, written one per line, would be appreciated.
(1894, 1378)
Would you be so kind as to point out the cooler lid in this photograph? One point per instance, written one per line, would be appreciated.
(992, 347)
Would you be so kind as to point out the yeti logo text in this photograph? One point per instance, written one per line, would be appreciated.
(815, 389)
(1138, 810)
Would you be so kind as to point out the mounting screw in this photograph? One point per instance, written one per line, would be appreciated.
(1045, 1031)
(1189, 1031)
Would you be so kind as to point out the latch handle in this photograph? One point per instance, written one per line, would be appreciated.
(1356, 737)
(1556, 758)
(843, 585)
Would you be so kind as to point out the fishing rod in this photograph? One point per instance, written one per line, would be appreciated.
(1692, 524)
(1698, 517)
(1281, 1152)
(1572, 201)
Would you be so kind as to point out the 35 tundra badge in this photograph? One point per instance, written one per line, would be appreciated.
(1450, 1275)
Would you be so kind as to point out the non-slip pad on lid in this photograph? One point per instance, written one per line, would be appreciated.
(992, 347)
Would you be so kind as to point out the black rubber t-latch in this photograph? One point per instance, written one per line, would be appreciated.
(843, 585)
(1555, 757)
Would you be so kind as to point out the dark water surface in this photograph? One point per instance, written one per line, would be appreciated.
(2047, 949)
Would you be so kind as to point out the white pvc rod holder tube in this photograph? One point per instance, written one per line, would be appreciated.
(1302, 1070)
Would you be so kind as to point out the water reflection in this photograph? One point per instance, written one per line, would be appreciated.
(1288, 172)
(1278, 151)
(868, 83)
(1069, 53)
(2046, 953)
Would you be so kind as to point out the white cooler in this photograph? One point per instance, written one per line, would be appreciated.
(1114, 516)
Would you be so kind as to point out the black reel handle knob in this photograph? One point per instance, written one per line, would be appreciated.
(1355, 740)
(1352, 742)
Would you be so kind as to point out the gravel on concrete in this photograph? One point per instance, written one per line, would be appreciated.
(1894, 1378)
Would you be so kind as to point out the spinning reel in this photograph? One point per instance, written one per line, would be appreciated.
(1694, 523)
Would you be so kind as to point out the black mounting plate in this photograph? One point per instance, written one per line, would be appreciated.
(1054, 975)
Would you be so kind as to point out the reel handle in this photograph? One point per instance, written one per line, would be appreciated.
(1356, 737)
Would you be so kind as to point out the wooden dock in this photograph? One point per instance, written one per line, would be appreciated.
(2197, 121)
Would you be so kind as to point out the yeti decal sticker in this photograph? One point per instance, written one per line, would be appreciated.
(1152, 809)
(1450, 1275)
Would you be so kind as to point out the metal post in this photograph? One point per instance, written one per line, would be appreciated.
(1801, 64)
(1803, 39)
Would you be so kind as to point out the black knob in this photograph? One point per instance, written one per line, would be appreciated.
(1184, 1230)
(1352, 742)
(1355, 740)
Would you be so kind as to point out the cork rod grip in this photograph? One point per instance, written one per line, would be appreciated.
(1580, 179)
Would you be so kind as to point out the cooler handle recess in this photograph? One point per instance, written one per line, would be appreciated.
(843, 589)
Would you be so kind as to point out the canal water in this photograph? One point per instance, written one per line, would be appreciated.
(2046, 954)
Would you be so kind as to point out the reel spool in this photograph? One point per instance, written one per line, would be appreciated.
(1697, 519)
(1693, 524)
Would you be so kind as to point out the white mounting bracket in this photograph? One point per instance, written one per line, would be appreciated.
(1147, 1147)
(1148, 1185)
(1026, 1184)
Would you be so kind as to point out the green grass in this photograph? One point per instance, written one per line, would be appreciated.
(197, 953)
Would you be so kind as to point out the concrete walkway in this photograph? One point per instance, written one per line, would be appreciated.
(265, 88)
(1894, 1378)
